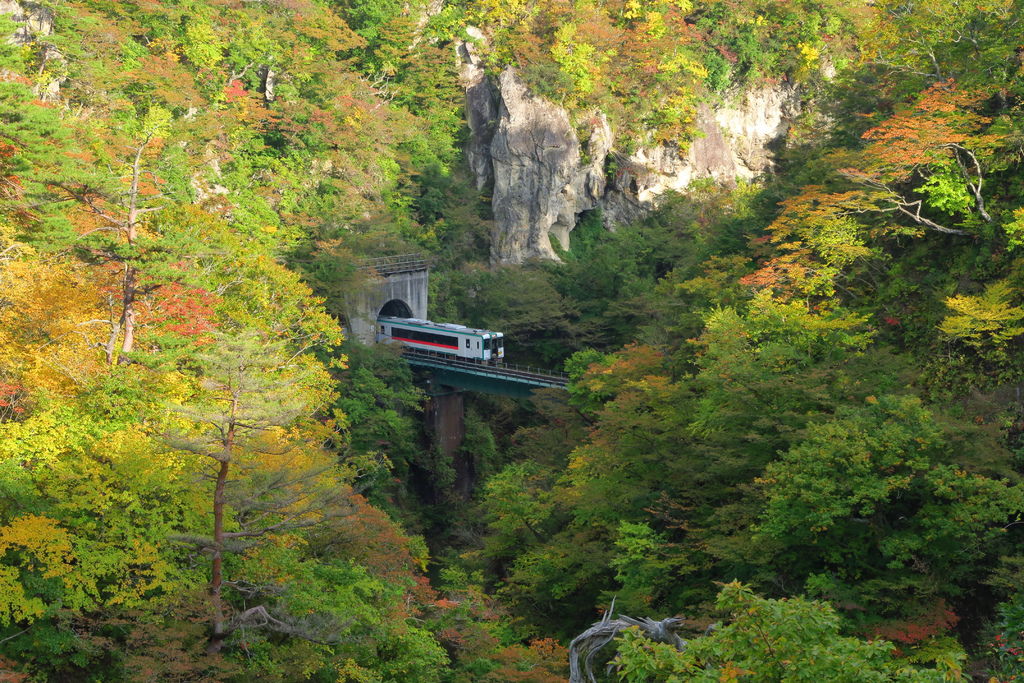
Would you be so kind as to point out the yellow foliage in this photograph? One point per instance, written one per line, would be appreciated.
(809, 54)
(50, 324)
(43, 546)
(681, 63)
(989, 318)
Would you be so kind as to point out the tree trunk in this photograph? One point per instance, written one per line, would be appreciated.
(131, 234)
(218, 633)
(128, 311)
(115, 332)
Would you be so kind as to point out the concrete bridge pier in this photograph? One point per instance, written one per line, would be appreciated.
(445, 415)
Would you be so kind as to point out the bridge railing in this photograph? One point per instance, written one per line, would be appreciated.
(402, 263)
(506, 370)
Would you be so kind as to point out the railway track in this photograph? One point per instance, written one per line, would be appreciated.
(508, 372)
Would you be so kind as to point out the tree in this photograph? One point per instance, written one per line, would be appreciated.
(249, 399)
(940, 140)
(987, 324)
(107, 185)
(921, 42)
(873, 508)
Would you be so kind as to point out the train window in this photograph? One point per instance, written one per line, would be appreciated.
(467, 342)
(427, 338)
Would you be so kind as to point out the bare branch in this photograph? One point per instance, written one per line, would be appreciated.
(590, 642)
(975, 186)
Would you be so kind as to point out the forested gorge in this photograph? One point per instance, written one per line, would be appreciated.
(794, 422)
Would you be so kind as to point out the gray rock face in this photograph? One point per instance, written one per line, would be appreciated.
(734, 142)
(535, 155)
(481, 110)
(544, 177)
(34, 19)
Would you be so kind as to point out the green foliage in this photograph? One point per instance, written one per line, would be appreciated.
(378, 413)
(1015, 229)
(1006, 647)
(869, 500)
(945, 191)
(643, 558)
(772, 640)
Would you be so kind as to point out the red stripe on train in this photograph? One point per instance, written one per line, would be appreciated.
(417, 341)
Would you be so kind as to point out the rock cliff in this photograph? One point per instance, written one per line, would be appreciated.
(33, 19)
(543, 175)
(34, 22)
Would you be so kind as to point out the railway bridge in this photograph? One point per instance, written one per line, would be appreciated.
(398, 287)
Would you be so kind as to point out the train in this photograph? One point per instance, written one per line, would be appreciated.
(449, 339)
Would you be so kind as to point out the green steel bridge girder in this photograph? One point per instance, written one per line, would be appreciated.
(484, 379)
(486, 385)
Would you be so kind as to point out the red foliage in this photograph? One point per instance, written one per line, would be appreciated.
(935, 621)
(187, 311)
(11, 398)
(728, 54)
(8, 674)
(235, 91)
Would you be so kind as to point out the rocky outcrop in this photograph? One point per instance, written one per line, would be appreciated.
(534, 155)
(543, 176)
(481, 109)
(35, 21)
(541, 180)
(735, 139)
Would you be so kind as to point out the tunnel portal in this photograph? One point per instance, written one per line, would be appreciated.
(396, 286)
(396, 308)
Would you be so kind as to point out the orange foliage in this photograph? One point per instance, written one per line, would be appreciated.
(370, 538)
(8, 674)
(933, 622)
(187, 311)
(943, 116)
(543, 661)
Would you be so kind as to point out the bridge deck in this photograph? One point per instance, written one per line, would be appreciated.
(518, 379)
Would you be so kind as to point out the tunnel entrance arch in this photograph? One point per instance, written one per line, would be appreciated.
(396, 308)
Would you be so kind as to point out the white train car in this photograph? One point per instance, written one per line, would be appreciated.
(482, 346)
